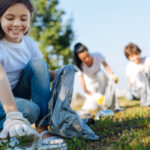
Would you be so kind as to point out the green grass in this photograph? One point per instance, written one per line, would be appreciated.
(127, 130)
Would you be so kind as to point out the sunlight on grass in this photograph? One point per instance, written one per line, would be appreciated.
(126, 130)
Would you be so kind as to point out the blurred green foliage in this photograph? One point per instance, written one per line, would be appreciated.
(53, 36)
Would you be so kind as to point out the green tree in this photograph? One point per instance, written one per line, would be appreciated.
(53, 36)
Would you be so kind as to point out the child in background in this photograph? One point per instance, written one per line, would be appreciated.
(23, 74)
(138, 73)
(93, 80)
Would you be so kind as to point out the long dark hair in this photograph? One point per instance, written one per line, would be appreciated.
(5, 4)
(78, 48)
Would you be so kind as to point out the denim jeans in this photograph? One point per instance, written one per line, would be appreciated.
(32, 92)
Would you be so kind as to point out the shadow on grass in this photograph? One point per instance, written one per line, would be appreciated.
(109, 127)
(112, 130)
(131, 106)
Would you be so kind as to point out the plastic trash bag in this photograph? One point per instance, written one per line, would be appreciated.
(107, 101)
(62, 119)
(110, 99)
(91, 102)
(141, 88)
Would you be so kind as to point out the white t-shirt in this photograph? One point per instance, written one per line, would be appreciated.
(132, 69)
(15, 56)
(98, 58)
(89, 73)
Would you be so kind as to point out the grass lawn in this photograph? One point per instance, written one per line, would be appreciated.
(127, 130)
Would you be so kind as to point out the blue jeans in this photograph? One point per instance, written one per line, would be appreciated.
(32, 92)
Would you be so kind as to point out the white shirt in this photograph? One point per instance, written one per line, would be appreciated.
(15, 56)
(132, 69)
(89, 73)
(98, 58)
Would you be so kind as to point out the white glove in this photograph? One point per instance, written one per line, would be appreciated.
(16, 125)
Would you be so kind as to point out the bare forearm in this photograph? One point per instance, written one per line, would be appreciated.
(108, 69)
(110, 72)
(82, 82)
(83, 85)
(6, 96)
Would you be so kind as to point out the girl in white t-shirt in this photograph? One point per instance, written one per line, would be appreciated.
(23, 74)
(93, 80)
(137, 65)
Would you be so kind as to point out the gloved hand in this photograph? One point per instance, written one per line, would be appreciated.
(113, 77)
(16, 125)
(99, 98)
